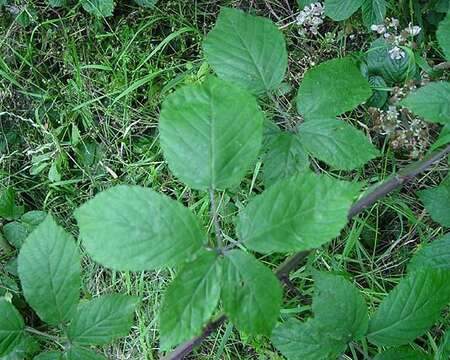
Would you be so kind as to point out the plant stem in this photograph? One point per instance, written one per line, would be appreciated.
(214, 210)
(396, 181)
(43, 334)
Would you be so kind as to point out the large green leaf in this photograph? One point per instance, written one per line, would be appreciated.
(135, 228)
(437, 202)
(374, 12)
(431, 102)
(190, 300)
(339, 307)
(410, 308)
(435, 255)
(49, 271)
(305, 341)
(341, 9)
(102, 320)
(402, 353)
(443, 35)
(99, 8)
(332, 88)
(251, 293)
(299, 213)
(79, 353)
(211, 134)
(393, 71)
(247, 50)
(11, 327)
(285, 157)
(336, 143)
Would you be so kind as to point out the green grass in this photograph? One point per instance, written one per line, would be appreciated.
(79, 103)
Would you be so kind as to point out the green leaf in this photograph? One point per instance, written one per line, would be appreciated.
(336, 143)
(8, 207)
(251, 293)
(27, 347)
(135, 228)
(102, 320)
(339, 307)
(190, 300)
(443, 36)
(50, 355)
(332, 88)
(305, 341)
(49, 271)
(211, 134)
(435, 255)
(374, 12)
(393, 71)
(32, 219)
(437, 202)
(443, 139)
(79, 353)
(15, 233)
(302, 3)
(296, 214)
(284, 158)
(11, 327)
(99, 8)
(430, 102)
(410, 308)
(247, 50)
(402, 353)
(340, 10)
(379, 97)
(146, 3)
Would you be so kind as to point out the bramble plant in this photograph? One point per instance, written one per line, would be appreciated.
(211, 134)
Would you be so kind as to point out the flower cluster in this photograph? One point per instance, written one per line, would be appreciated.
(407, 134)
(311, 17)
(390, 31)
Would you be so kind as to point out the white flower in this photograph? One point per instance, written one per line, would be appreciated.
(310, 18)
(301, 18)
(393, 23)
(413, 30)
(380, 28)
(396, 53)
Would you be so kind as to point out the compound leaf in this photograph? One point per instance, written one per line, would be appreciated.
(410, 308)
(102, 320)
(211, 134)
(299, 213)
(285, 157)
(431, 102)
(336, 143)
(11, 327)
(374, 12)
(99, 8)
(340, 10)
(443, 35)
(49, 271)
(402, 353)
(190, 300)
(437, 202)
(251, 293)
(435, 255)
(332, 88)
(247, 50)
(135, 228)
(305, 341)
(339, 307)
